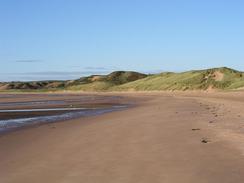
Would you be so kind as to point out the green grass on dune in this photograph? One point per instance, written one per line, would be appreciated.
(165, 81)
(94, 86)
(216, 78)
(90, 83)
(191, 80)
(105, 83)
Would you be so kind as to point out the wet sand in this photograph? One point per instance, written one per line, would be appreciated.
(48, 108)
(167, 137)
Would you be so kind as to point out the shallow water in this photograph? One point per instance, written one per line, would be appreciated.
(31, 103)
(41, 110)
(80, 99)
(69, 113)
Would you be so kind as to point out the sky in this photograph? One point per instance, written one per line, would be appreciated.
(60, 39)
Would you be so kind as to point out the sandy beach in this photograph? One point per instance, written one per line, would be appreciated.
(167, 137)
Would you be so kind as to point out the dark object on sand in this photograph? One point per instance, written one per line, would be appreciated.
(195, 129)
(205, 141)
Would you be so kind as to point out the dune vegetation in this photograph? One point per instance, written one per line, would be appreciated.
(217, 78)
(90, 83)
(210, 79)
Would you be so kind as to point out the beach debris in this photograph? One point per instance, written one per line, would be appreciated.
(205, 140)
(195, 129)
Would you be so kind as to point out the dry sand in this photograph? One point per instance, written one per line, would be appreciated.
(167, 138)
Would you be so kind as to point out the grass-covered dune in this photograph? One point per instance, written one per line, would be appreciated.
(90, 83)
(210, 79)
(104, 82)
(216, 78)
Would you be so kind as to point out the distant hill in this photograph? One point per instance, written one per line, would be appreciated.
(90, 83)
(210, 79)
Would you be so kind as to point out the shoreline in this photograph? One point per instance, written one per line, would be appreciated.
(158, 140)
(17, 115)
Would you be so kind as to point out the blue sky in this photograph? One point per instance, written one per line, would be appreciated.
(60, 39)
